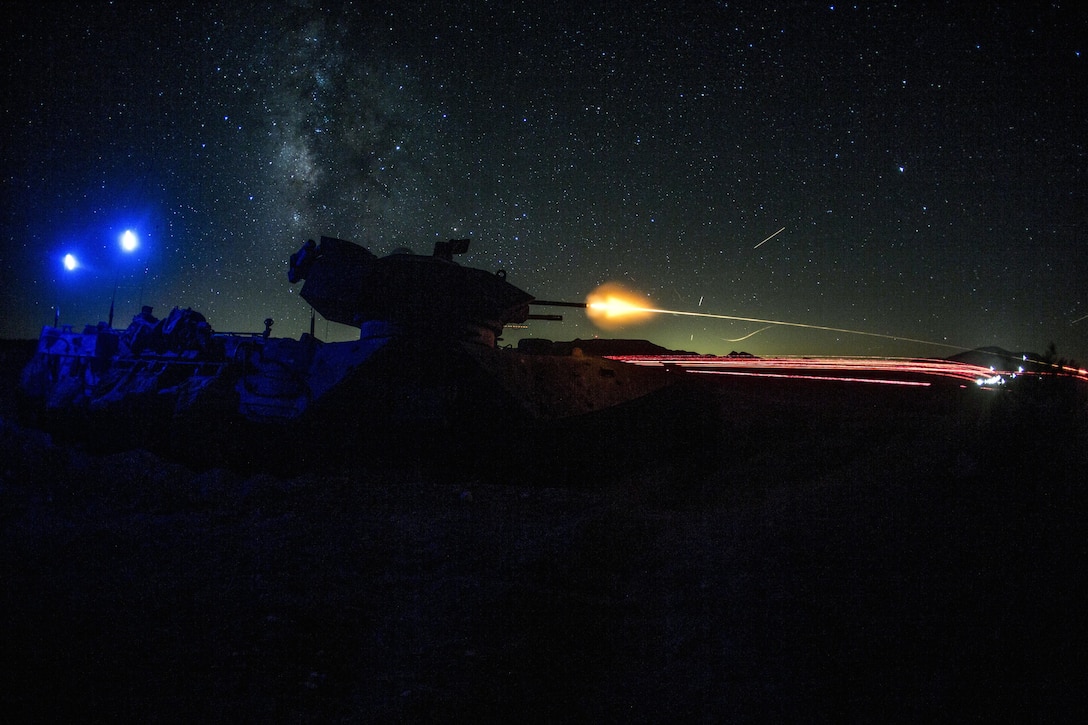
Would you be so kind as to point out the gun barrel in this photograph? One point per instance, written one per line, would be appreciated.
(553, 303)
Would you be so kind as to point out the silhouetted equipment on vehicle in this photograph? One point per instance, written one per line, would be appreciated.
(415, 294)
(426, 367)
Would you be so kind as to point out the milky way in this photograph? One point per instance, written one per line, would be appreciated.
(926, 169)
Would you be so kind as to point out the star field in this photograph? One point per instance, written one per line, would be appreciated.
(928, 166)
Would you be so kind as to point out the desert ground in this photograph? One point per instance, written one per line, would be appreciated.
(740, 551)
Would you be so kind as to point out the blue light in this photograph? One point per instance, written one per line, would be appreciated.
(129, 241)
(70, 262)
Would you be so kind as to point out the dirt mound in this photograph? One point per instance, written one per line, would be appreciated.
(784, 552)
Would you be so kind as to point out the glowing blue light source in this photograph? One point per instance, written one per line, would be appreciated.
(129, 241)
(70, 262)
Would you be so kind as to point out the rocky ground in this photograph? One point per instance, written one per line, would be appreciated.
(778, 552)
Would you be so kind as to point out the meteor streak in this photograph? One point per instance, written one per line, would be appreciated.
(770, 238)
(750, 334)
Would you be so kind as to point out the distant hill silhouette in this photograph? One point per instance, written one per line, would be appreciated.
(1000, 359)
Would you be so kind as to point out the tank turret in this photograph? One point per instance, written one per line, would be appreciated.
(407, 294)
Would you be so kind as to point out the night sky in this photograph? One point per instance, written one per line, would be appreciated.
(928, 162)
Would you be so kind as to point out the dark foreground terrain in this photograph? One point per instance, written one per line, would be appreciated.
(812, 552)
